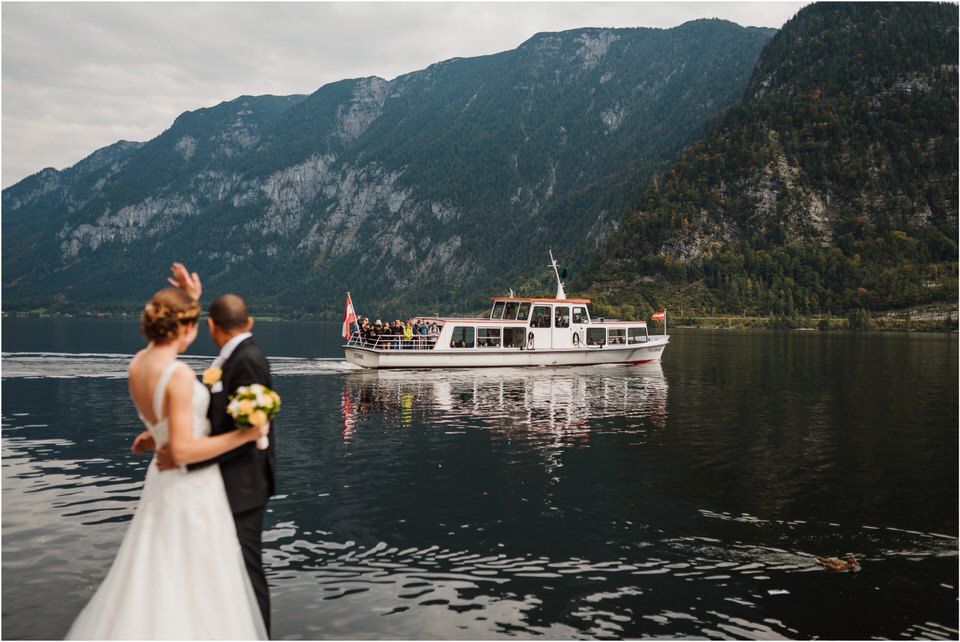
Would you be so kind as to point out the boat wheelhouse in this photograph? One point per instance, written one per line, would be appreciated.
(519, 331)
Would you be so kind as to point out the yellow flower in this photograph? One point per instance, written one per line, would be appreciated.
(211, 376)
(245, 407)
(258, 418)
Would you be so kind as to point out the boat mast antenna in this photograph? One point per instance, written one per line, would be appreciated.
(553, 263)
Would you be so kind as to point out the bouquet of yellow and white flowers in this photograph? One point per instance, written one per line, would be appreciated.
(254, 405)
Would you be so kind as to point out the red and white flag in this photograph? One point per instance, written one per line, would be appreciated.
(659, 316)
(349, 318)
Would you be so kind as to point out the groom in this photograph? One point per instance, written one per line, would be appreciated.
(248, 473)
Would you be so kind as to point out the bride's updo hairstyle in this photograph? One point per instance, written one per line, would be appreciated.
(165, 312)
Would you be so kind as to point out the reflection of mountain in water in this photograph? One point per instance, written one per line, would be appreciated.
(548, 408)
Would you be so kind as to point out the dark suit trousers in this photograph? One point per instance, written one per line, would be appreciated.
(249, 532)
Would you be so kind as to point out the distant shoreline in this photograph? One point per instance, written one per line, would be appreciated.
(898, 321)
(946, 321)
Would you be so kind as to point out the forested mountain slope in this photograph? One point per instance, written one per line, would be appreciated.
(831, 187)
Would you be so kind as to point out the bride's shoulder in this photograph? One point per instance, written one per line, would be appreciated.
(183, 373)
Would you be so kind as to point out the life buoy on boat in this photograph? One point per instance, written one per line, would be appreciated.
(530, 341)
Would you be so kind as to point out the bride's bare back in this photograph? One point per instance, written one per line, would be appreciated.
(143, 375)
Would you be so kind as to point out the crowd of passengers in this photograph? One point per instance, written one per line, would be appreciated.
(415, 333)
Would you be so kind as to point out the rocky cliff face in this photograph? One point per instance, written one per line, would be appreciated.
(442, 186)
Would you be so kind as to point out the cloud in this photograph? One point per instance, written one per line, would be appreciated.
(80, 76)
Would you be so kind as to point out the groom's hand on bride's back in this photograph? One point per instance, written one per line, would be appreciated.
(143, 443)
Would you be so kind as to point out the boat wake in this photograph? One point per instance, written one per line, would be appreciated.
(60, 365)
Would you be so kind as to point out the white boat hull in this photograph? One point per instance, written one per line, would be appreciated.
(367, 357)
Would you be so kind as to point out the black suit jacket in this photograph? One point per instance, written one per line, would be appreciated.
(248, 473)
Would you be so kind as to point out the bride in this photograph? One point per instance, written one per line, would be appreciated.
(179, 572)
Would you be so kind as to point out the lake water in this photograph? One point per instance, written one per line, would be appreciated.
(680, 499)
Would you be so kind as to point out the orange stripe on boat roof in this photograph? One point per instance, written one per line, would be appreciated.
(537, 300)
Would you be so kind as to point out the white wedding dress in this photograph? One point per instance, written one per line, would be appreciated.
(179, 573)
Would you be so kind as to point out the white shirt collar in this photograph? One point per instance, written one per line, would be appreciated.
(229, 347)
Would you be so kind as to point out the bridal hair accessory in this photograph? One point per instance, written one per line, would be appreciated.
(211, 376)
(253, 405)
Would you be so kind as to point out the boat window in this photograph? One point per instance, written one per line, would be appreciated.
(617, 335)
(497, 310)
(514, 337)
(510, 313)
(540, 317)
(488, 337)
(596, 336)
(561, 316)
(580, 314)
(524, 312)
(638, 335)
(462, 337)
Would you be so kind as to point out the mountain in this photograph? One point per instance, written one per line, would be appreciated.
(438, 188)
(126, 196)
(831, 188)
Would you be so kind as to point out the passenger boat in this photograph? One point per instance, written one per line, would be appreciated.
(519, 331)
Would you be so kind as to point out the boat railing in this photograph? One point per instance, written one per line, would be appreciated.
(394, 341)
(604, 337)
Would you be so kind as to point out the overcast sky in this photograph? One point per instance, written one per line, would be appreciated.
(79, 76)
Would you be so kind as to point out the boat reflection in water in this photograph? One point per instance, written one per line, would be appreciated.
(549, 408)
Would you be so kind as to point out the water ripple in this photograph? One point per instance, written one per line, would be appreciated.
(615, 591)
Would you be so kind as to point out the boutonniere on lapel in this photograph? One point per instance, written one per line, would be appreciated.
(211, 377)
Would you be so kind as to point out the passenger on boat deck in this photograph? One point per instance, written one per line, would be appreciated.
(386, 335)
(395, 330)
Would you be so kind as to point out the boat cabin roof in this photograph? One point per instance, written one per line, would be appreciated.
(538, 299)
